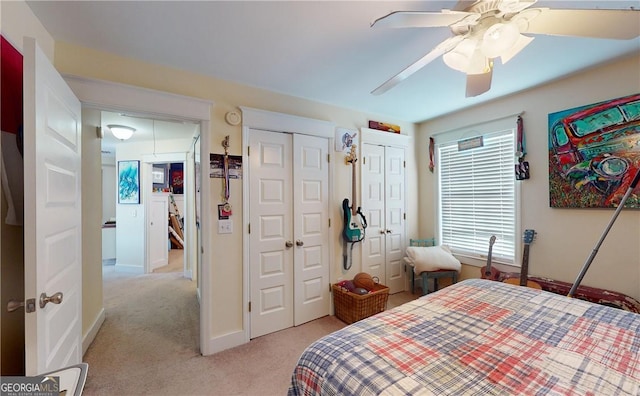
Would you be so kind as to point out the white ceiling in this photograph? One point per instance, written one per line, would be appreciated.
(146, 130)
(320, 50)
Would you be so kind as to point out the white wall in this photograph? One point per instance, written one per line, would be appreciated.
(565, 237)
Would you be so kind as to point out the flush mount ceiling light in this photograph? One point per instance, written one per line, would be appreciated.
(121, 132)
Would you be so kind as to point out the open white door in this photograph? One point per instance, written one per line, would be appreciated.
(158, 243)
(52, 219)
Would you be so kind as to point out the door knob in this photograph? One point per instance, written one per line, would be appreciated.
(13, 305)
(382, 231)
(288, 244)
(299, 243)
(388, 231)
(56, 299)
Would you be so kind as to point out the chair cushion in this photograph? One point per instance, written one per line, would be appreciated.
(431, 258)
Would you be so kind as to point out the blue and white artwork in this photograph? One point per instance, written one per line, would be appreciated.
(129, 182)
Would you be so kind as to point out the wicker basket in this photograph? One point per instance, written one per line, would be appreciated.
(352, 307)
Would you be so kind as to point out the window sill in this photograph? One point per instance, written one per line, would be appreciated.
(481, 262)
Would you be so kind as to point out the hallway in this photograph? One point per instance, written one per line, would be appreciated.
(152, 320)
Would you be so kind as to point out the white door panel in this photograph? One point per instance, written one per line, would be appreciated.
(158, 231)
(271, 261)
(373, 206)
(384, 204)
(311, 228)
(52, 223)
(395, 222)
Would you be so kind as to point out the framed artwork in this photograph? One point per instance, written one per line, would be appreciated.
(176, 178)
(128, 182)
(345, 138)
(159, 174)
(594, 154)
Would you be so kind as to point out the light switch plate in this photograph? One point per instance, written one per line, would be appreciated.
(225, 226)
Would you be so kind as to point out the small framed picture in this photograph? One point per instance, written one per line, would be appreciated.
(344, 139)
(128, 182)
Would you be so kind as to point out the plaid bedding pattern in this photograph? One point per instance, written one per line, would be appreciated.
(479, 337)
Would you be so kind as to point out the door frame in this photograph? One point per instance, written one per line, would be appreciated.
(111, 96)
(277, 122)
(188, 254)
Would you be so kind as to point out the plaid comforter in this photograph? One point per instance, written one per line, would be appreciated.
(479, 337)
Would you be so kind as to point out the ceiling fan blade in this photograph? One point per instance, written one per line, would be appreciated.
(608, 24)
(462, 5)
(440, 49)
(408, 19)
(478, 83)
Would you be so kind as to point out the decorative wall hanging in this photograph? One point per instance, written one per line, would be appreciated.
(176, 174)
(432, 145)
(345, 138)
(216, 166)
(128, 182)
(594, 153)
(522, 167)
(384, 126)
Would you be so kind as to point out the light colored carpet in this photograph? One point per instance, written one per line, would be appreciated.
(148, 344)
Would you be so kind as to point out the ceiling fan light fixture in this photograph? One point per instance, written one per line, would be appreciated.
(479, 64)
(459, 58)
(522, 42)
(121, 132)
(499, 38)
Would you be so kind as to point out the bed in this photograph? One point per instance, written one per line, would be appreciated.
(479, 337)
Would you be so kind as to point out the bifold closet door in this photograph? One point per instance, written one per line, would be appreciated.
(383, 200)
(289, 263)
(395, 218)
(311, 228)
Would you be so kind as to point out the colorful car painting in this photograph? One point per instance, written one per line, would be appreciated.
(594, 153)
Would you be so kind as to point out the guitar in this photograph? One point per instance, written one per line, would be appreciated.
(487, 272)
(528, 238)
(352, 232)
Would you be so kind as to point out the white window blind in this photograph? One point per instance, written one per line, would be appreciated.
(477, 196)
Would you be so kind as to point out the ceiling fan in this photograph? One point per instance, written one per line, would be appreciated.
(487, 29)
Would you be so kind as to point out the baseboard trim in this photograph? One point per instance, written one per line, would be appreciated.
(223, 342)
(188, 274)
(93, 331)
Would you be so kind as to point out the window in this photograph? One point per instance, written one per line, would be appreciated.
(477, 199)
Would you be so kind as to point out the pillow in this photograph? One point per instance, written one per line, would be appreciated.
(431, 258)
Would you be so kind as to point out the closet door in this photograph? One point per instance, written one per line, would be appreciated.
(373, 204)
(271, 250)
(383, 200)
(289, 254)
(311, 228)
(394, 218)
